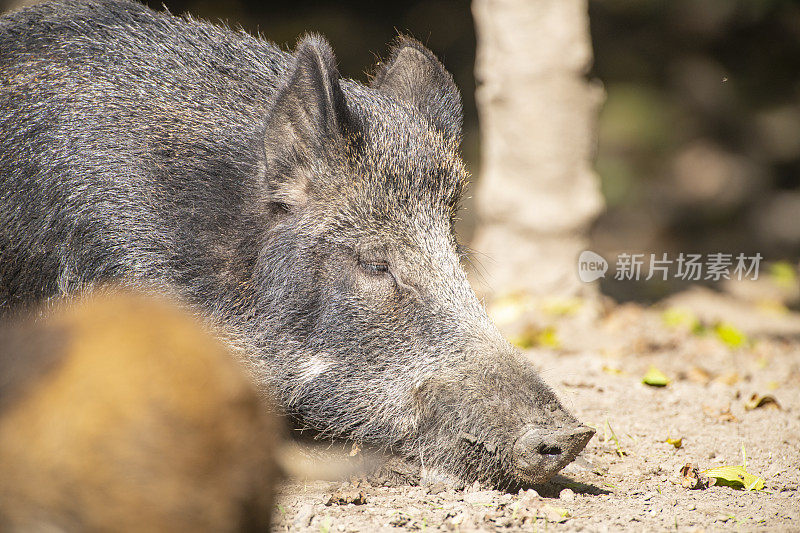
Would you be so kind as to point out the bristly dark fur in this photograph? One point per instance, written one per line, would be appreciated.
(412, 74)
(311, 217)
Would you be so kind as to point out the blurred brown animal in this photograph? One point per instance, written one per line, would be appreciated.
(119, 413)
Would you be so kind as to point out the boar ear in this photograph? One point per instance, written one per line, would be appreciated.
(309, 121)
(413, 75)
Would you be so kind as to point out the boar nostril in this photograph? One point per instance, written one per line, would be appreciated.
(547, 449)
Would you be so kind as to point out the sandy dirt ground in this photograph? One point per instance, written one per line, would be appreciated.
(717, 353)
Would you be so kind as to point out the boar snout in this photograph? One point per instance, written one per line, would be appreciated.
(541, 452)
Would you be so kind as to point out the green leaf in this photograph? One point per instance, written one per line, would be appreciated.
(730, 335)
(676, 317)
(655, 378)
(548, 338)
(736, 477)
(783, 273)
(562, 306)
(532, 336)
(675, 442)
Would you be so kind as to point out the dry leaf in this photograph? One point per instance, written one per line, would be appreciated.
(692, 478)
(614, 371)
(758, 402)
(697, 374)
(731, 378)
(723, 415)
(772, 306)
(346, 497)
(354, 450)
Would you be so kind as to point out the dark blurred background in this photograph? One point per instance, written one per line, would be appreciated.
(699, 141)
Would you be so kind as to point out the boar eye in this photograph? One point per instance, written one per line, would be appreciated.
(375, 267)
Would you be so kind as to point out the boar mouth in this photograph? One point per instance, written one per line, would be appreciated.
(541, 452)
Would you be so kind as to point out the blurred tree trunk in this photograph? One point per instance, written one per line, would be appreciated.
(537, 194)
(9, 5)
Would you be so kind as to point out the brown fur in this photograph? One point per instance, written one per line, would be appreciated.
(140, 422)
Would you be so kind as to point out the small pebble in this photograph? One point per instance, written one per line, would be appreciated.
(304, 516)
(437, 488)
(481, 497)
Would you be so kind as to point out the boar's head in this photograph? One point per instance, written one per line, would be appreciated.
(372, 330)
